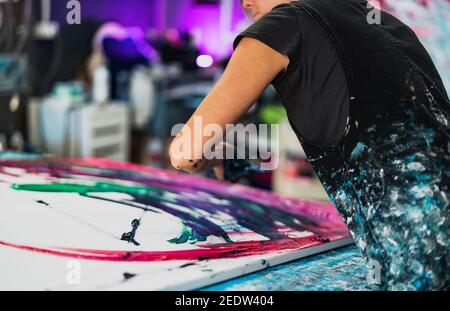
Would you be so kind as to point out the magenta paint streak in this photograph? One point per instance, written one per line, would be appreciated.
(215, 251)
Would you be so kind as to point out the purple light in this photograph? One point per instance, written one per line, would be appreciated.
(205, 61)
(184, 15)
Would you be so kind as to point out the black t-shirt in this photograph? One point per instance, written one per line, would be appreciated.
(314, 88)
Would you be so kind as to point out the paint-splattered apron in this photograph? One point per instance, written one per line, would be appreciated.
(390, 176)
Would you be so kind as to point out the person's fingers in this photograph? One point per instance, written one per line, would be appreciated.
(199, 166)
(196, 167)
(219, 171)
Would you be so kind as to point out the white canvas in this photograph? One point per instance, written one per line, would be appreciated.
(50, 240)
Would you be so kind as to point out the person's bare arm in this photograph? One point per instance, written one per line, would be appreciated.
(252, 67)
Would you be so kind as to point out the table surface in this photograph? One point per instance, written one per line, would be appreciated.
(338, 270)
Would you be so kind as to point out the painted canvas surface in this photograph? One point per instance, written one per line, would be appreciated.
(126, 227)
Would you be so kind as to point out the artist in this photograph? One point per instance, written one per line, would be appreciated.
(372, 114)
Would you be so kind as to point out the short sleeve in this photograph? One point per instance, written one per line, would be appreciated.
(280, 30)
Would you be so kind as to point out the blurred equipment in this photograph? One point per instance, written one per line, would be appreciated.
(100, 87)
(65, 125)
(15, 20)
(45, 28)
(125, 49)
(12, 73)
(100, 131)
(178, 48)
(63, 58)
(12, 101)
(142, 96)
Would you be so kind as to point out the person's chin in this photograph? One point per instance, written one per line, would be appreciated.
(257, 17)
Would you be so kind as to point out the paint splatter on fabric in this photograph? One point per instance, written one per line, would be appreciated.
(397, 202)
(394, 191)
(389, 177)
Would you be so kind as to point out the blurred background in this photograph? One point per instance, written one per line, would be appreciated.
(114, 85)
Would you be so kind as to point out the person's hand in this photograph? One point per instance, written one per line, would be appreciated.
(201, 166)
(219, 171)
(198, 166)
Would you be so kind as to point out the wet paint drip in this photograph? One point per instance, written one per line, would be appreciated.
(42, 202)
(128, 276)
(190, 236)
(130, 236)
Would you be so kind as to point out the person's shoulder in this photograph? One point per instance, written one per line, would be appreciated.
(281, 13)
(291, 10)
(278, 28)
(285, 8)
